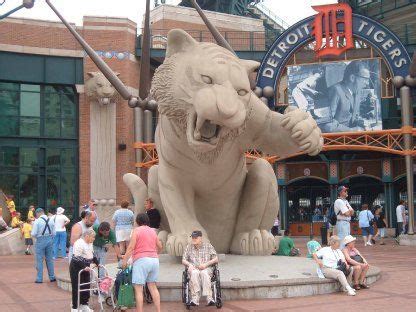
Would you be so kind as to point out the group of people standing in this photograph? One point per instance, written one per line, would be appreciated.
(90, 240)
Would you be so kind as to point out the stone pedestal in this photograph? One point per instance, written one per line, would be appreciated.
(407, 240)
(11, 244)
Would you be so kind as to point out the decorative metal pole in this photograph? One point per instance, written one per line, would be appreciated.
(28, 4)
(405, 85)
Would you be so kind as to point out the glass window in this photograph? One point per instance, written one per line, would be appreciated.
(52, 105)
(9, 86)
(28, 190)
(30, 104)
(68, 128)
(52, 190)
(29, 126)
(9, 183)
(68, 157)
(53, 157)
(68, 191)
(68, 105)
(52, 127)
(9, 103)
(9, 126)
(9, 156)
(28, 157)
(30, 87)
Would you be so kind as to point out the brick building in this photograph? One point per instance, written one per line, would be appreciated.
(51, 140)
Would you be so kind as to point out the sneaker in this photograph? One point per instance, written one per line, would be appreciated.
(85, 308)
(351, 292)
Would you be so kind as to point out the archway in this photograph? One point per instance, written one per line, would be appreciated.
(307, 200)
(364, 189)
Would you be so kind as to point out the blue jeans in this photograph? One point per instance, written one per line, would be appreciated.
(59, 243)
(101, 255)
(343, 229)
(44, 249)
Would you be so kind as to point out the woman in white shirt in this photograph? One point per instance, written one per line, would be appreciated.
(59, 241)
(83, 257)
(329, 258)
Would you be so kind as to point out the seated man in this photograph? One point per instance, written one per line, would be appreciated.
(287, 246)
(198, 257)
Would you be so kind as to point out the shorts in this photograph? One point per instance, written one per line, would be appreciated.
(123, 235)
(145, 270)
(28, 241)
(367, 231)
(382, 232)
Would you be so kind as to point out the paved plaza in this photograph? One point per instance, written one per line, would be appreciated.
(395, 290)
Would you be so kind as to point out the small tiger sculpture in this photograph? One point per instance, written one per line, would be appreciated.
(208, 118)
(100, 89)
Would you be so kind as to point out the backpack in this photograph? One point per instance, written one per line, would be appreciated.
(332, 217)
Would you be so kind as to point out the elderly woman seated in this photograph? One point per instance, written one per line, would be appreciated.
(332, 262)
(357, 261)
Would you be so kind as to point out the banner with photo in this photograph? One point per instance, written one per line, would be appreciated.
(341, 96)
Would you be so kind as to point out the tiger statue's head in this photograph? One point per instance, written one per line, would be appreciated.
(204, 90)
(100, 89)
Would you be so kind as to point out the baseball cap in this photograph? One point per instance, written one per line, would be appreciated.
(196, 234)
(341, 188)
(39, 210)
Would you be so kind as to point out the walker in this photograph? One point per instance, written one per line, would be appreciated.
(94, 284)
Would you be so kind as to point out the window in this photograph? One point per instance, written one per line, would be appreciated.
(37, 111)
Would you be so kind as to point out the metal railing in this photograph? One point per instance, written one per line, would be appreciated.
(239, 40)
(377, 8)
(266, 11)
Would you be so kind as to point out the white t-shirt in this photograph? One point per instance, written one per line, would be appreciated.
(330, 256)
(399, 213)
(343, 206)
(82, 249)
(60, 222)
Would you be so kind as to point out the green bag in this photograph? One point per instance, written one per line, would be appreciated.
(126, 291)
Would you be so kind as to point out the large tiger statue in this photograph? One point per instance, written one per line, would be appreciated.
(208, 118)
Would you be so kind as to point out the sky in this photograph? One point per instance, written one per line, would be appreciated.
(73, 10)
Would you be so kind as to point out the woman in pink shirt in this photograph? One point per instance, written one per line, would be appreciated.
(144, 247)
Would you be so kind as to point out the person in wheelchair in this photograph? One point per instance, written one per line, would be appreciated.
(199, 258)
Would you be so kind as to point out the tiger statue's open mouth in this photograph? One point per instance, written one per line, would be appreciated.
(204, 134)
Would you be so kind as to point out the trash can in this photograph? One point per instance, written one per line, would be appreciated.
(324, 232)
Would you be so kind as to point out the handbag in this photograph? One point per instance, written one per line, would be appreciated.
(370, 222)
(126, 292)
(357, 258)
(342, 266)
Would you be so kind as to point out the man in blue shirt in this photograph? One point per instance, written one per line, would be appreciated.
(365, 222)
(43, 230)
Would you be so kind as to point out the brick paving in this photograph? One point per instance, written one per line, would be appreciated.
(396, 290)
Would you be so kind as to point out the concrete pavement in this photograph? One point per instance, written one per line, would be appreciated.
(395, 291)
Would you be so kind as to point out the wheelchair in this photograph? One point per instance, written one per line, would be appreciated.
(215, 285)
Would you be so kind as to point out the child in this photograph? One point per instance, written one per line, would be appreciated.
(31, 213)
(313, 246)
(10, 205)
(16, 222)
(26, 233)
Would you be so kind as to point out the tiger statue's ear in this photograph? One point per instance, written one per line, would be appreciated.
(179, 41)
(251, 66)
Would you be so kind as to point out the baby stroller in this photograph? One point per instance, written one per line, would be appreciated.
(123, 277)
(96, 284)
(215, 285)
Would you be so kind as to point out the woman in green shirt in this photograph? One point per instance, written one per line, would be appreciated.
(287, 246)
